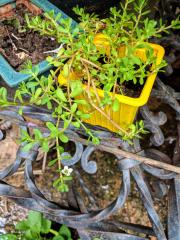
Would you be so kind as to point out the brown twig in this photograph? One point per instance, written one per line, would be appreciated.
(35, 172)
(91, 82)
(13, 45)
(44, 162)
(91, 63)
(125, 154)
(99, 109)
(24, 50)
(14, 36)
(6, 210)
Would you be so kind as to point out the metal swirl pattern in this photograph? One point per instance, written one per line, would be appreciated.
(97, 222)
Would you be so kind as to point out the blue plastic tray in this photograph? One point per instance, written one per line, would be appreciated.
(7, 73)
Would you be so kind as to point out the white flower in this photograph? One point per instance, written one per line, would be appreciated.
(67, 171)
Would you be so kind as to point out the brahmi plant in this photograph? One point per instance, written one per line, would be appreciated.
(36, 227)
(95, 54)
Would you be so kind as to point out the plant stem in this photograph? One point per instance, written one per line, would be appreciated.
(100, 110)
(68, 84)
(91, 63)
(54, 232)
(93, 85)
(58, 153)
(138, 19)
(162, 29)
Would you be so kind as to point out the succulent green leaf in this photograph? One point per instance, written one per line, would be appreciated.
(115, 105)
(64, 231)
(76, 88)
(60, 95)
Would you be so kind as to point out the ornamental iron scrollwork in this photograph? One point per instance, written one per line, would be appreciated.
(96, 222)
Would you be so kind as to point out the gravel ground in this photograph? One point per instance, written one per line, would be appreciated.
(10, 214)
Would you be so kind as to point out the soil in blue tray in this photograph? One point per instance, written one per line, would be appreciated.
(19, 44)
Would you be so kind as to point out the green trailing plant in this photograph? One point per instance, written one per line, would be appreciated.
(108, 66)
(36, 227)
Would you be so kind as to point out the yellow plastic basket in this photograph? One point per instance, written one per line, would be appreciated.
(128, 106)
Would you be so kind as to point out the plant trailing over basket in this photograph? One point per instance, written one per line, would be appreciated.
(36, 227)
(95, 55)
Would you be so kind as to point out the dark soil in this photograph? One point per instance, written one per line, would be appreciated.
(128, 88)
(132, 90)
(19, 44)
